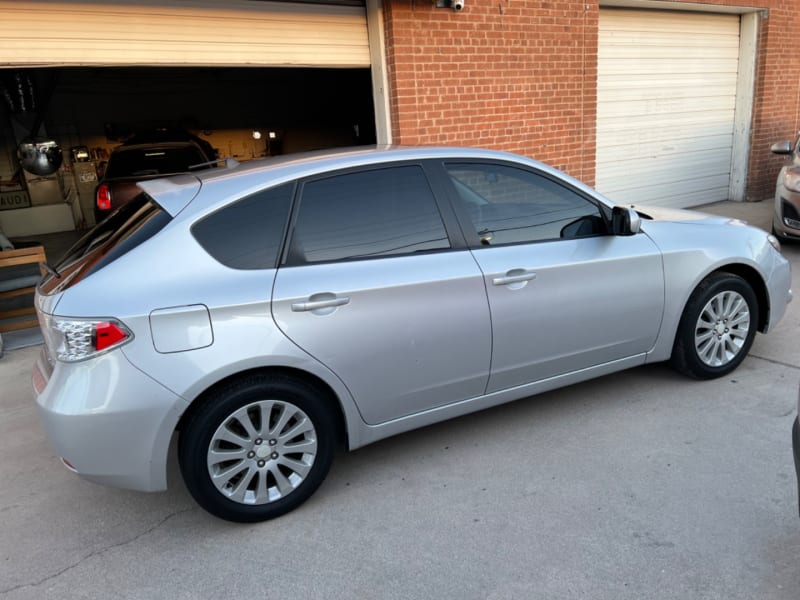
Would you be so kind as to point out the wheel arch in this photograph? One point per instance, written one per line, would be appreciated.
(752, 277)
(340, 422)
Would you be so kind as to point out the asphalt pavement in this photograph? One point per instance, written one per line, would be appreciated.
(640, 485)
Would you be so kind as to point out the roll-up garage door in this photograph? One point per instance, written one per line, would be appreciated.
(184, 33)
(666, 96)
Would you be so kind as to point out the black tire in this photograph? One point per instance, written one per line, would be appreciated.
(707, 345)
(267, 472)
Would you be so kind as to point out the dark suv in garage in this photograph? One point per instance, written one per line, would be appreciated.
(148, 156)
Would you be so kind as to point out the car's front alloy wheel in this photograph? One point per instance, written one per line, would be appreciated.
(717, 327)
(257, 448)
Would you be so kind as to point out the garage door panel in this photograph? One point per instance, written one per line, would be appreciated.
(647, 40)
(665, 147)
(666, 105)
(232, 33)
(654, 125)
(687, 93)
(657, 81)
(692, 164)
(700, 67)
(675, 22)
(668, 53)
(703, 189)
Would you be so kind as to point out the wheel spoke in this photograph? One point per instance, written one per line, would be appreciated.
(265, 411)
(240, 490)
(243, 418)
(712, 310)
(302, 426)
(285, 416)
(297, 466)
(281, 482)
(217, 455)
(702, 337)
(707, 350)
(262, 493)
(222, 477)
(306, 446)
(735, 307)
(226, 435)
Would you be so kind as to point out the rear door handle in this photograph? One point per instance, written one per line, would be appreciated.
(514, 276)
(319, 304)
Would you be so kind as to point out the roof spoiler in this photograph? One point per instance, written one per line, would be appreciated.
(230, 163)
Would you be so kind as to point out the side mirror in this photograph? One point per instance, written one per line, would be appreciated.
(784, 147)
(625, 221)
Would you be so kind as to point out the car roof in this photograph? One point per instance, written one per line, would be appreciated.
(220, 185)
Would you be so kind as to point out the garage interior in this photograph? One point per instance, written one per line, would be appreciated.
(244, 113)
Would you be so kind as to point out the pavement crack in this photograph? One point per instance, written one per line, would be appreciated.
(98, 553)
(776, 362)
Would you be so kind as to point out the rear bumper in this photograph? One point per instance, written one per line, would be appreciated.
(108, 421)
(796, 450)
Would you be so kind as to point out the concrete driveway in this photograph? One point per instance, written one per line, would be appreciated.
(638, 485)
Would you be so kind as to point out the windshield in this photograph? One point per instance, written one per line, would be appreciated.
(121, 232)
(147, 162)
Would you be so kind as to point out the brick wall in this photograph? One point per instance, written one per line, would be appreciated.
(776, 110)
(513, 75)
(521, 76)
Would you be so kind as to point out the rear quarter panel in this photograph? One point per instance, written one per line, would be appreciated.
(156, 276)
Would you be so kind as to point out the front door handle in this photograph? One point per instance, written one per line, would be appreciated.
(514, 276)
(322, 303)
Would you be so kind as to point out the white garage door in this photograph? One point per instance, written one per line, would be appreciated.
(181, 33)
(666, 96)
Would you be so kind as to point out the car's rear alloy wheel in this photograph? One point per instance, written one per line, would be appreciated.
(717, 327)
(257, 448)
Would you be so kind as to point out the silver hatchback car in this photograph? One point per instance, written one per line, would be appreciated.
(264, 313)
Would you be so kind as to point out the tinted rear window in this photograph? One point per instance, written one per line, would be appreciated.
(248, 233)
(383, 212)
(121, 232)
(146, 162)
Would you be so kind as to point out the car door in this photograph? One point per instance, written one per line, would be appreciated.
(373, 287)
(564, 294)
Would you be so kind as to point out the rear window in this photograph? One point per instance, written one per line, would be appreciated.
(248, 233)
(146, 162)
(121, 232)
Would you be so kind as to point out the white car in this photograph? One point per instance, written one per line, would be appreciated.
(265, 312)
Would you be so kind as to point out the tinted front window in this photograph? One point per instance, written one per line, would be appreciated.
(385, 212)
(146, 162)
(248, 233)
(508, 205)
(131, 225)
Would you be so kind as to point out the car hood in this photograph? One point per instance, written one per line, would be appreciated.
(676, 215)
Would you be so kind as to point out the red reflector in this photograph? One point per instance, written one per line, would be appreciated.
(104, 197)
(106, 335)
(39, 380)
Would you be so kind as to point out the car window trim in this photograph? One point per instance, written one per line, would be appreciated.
(470, 234)
(454, 235)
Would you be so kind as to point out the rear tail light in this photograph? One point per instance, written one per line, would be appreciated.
(71, 340)
(104, 197)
